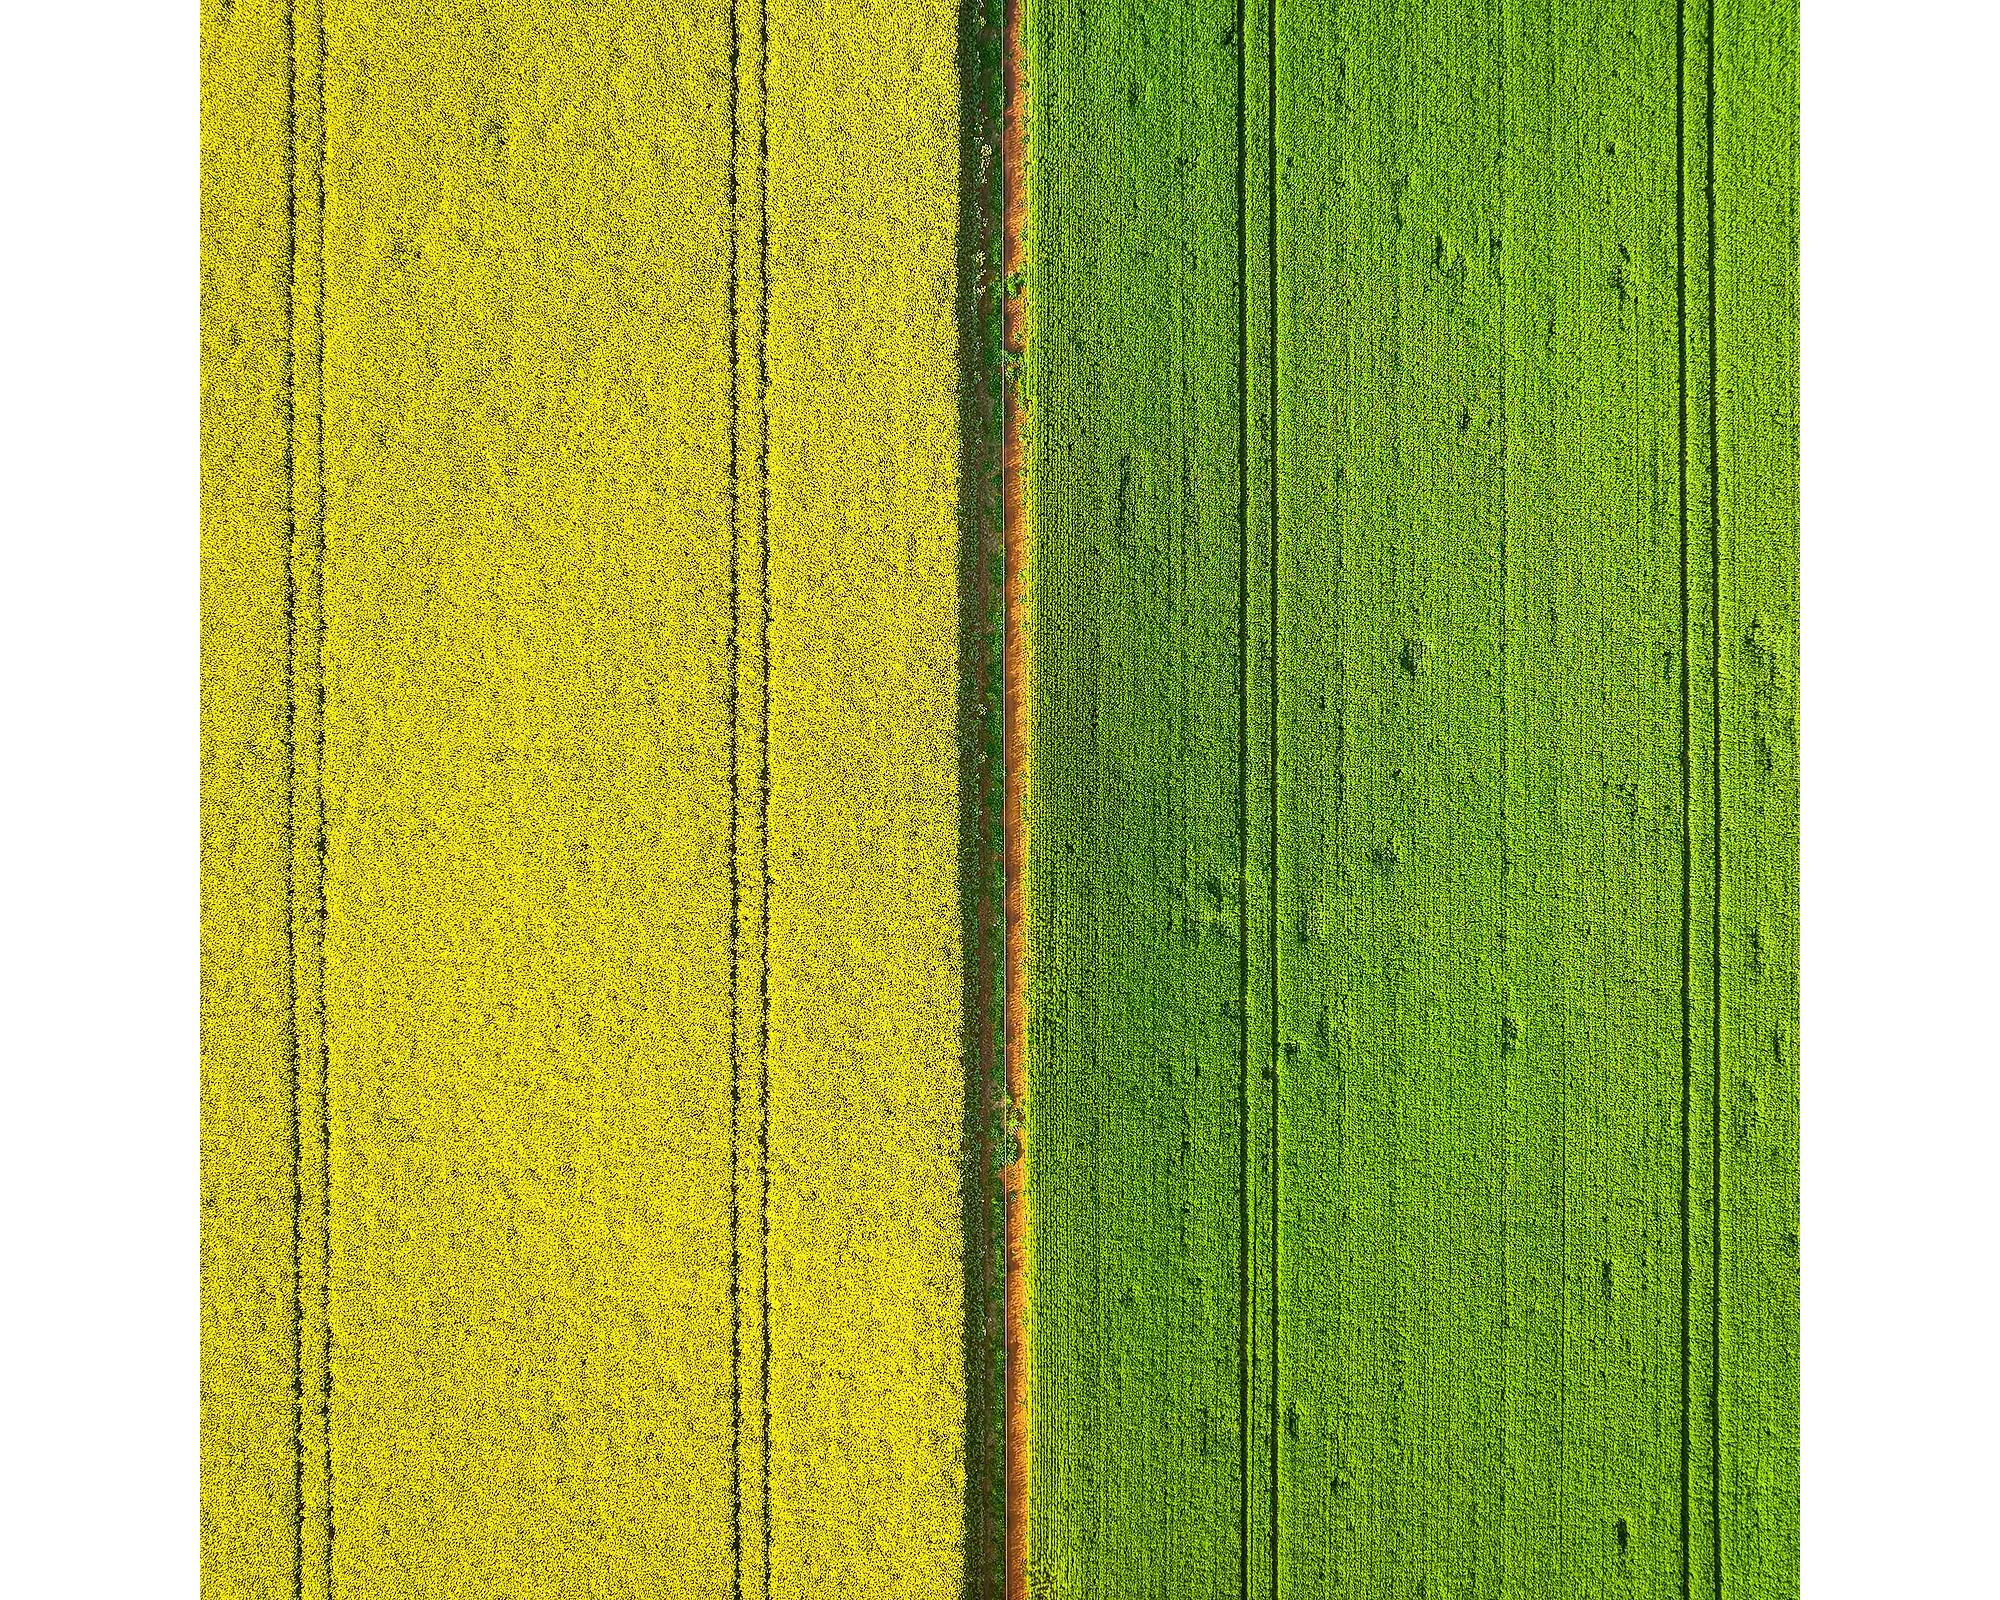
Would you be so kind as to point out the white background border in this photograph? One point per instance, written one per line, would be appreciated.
(1901, 1037)
(99, 1062)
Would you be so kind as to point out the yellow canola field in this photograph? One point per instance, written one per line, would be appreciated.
(582, 1095)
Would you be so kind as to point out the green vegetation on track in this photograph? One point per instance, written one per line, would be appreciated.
(1413, 840)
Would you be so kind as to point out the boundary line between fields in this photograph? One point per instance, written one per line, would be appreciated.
(981, 738)
(1015, 677)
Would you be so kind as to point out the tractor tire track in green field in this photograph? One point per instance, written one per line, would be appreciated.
(1412, 854)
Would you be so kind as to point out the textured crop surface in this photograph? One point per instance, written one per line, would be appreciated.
(1412, 798)
(583, 950)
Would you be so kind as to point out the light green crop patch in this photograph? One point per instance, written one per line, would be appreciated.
(1412, 1034)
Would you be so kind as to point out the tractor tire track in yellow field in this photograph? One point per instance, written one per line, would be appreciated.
(749, 803)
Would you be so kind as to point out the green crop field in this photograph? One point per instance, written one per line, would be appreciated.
(1412, 844)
